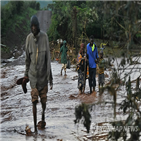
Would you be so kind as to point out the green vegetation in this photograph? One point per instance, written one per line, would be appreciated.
(117, 21)
(15, 12)
(15, 22)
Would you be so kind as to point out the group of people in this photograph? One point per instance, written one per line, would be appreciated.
(38, 67)
(87, 62)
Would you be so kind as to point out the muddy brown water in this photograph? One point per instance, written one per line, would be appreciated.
(16, 107)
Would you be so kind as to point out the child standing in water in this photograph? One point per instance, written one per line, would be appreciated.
(101, 78)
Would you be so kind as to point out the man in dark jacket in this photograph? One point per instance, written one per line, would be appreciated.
(38, 67)
(64, 50)
(92, 55)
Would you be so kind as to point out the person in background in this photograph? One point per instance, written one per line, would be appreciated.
(63, 51)
(81, 68)
(92, 55)
(101, 65)
(38, 68)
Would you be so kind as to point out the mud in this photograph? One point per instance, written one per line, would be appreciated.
(16, 108)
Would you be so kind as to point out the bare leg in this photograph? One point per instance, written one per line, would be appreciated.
(83, 89)
(80, 91)
(43, 112)
(35, 115)
(61, 71)
(90, 90)
(93, 89)
(65, 74)
(43, 115)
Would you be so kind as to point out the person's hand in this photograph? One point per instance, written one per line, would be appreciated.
(96, 61)
(22, 81)
(25, 79)
(51, 87)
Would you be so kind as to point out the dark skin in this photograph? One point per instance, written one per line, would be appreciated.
(101, 56)
(43, 112)
(35, 116)
(34, 31)
(91, 44)
(35, 113)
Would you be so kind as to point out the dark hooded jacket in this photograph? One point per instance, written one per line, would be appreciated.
(34, 21)
(38, 65)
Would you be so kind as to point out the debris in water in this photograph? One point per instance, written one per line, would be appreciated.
(28, 130)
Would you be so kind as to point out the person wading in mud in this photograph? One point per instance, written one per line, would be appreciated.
(63, 51)
(81, 63)
(92, 55)
(38, 67)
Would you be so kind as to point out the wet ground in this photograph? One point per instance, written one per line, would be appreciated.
(16, 107)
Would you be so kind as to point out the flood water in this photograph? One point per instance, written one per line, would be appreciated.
(16, 108)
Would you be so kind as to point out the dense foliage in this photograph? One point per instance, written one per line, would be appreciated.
(13, 9)
(69, 19)
(117, 21)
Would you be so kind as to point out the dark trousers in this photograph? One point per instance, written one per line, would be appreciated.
(92, 74)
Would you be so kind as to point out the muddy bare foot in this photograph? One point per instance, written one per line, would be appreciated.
(41, 125)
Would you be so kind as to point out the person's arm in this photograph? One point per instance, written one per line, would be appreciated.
(51, 80)
(27, 58)
(48, 58)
